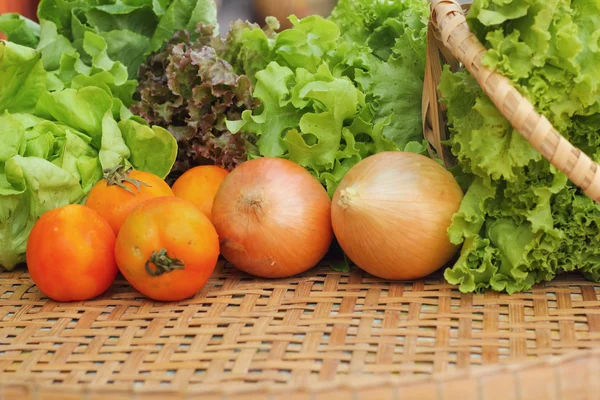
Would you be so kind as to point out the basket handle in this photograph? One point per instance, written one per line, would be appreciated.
(448, 19)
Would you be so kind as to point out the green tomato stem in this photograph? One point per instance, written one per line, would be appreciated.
(118, 174)
(163, 263)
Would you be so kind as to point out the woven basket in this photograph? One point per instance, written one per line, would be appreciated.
(323, 334)
(450, 35)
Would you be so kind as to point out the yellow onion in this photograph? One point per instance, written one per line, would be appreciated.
(273, 218)
(391, 213)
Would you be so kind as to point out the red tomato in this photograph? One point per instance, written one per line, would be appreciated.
(115, 196)
(70, 254)
(200, 185)
(167, 249)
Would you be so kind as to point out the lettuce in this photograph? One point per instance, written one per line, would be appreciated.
(387, 45)
(189, 89)
(335, 90)
(23, 80)
(521, 220)
(56, 144)
(131, 29)
(20, 30)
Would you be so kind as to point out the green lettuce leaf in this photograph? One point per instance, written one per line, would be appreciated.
(75, 155)
(23, 78)
(386, 56)
(132, 29)
(12, 137)
(303, 118)
(521, 221)
(153, 149)
(81, 109)
(183, 14)
(20, 30)
(30, 187)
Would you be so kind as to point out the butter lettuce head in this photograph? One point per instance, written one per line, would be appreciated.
(521, 220)
(56, 144)
(66, 88)
(131, 29)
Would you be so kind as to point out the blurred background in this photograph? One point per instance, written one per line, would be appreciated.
(257, 10)
(229, 10)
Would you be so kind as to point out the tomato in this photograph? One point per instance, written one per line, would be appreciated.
(167, 249)
(121, 190)
(70, 254)
(200, 185)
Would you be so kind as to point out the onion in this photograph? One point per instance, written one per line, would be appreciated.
(391, 212)
(273, 218)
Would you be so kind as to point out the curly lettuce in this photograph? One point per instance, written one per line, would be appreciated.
(386, 43)
(335, 90)
(191, 90)
(521, 221)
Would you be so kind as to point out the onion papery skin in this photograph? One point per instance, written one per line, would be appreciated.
(391, 212)
(273, 218)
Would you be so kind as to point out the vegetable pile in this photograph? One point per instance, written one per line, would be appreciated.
(273, 143)
(324, 94)
(56, 144)
(107, 99)
(64, 96)
(521, 220)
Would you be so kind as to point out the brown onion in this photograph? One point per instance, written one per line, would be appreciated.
(391, 212)
(273, 218)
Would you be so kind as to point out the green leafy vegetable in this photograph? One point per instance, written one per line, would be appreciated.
(522, 221)
(190, 90)
(387, 43)
(29, 186)
(55, 144)
(183, 14)
(330, 95)
(19, 29)
(131, 29)
(23, 79)
(323, 94)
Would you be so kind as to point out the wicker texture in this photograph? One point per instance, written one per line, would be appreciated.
(241, 333)
(324, 334)
(452, 30)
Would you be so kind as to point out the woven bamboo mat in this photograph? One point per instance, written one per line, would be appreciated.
(320, 329)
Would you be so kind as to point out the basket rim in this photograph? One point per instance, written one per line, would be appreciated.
(473, 374)
(454, 39)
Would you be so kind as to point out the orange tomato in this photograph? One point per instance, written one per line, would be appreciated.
(200, 185)
(121, 190)
(167, 249)
(70, 254)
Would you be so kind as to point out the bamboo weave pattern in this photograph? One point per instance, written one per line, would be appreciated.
(240, 333)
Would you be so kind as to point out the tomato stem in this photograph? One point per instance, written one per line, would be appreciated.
(163, 263)
(119, 174)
